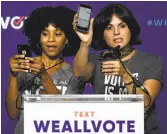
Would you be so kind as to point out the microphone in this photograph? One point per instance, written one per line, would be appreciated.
(116, 48)
(113, 53)
(138, 84)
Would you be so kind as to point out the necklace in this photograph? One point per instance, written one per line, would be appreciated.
(126, 51)
(121, 53)
(128, 61)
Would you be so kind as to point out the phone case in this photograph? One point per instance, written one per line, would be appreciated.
(79, 25)
(24, 49)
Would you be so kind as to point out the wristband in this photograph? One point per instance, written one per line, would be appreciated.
(128, 83)
(13, 73)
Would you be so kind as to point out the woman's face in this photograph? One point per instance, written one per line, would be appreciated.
(117, 33)
(52, 40)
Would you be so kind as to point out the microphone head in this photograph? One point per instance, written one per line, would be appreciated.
(117, 48)
(114, 53)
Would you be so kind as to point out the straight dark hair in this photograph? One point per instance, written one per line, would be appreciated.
(102, 20)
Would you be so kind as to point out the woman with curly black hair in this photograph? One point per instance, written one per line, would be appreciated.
(51, 37)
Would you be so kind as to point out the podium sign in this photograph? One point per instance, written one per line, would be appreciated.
(84, 114)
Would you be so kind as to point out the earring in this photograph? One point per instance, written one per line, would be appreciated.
(39, 48)
(68, 46)
(38, 45)
(66, 41)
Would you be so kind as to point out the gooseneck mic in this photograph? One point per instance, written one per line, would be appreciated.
(117, 48)
(136, 82)
(113, 53)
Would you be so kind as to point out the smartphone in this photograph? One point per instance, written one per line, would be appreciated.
(84, 14)
(24, 49)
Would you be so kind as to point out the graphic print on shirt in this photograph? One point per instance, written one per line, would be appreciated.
(60, 85)
(115, 85)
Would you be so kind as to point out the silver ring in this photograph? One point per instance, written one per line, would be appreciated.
(30, 70)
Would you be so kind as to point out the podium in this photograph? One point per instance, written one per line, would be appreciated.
(83, 114)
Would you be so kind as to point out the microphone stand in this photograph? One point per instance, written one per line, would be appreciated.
(115, 54)
(136, 83)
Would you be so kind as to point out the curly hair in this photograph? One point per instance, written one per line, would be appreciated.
(103, 19)
(59, 16)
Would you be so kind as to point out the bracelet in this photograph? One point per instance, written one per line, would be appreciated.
(128, 83)
(13, 73)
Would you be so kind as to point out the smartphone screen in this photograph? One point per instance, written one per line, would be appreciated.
(84, 14)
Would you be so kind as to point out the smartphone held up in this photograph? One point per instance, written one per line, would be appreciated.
(84, 14)
(24, 49)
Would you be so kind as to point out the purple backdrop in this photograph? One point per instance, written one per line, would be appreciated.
(151, 16)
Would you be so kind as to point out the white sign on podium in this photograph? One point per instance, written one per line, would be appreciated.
(83, 114)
